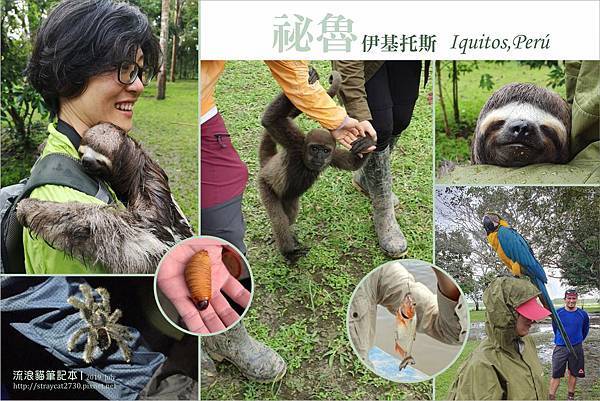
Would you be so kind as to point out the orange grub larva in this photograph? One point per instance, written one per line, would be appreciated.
(197, 278)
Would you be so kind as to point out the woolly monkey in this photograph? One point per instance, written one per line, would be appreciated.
(522, 124)
(287, 173)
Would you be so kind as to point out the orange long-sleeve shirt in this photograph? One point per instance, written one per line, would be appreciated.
(292, 76)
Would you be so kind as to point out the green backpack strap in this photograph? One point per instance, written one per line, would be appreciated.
(61, 169)
(53, 169)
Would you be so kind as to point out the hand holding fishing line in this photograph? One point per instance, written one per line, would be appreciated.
(446, 286)
(218, 314)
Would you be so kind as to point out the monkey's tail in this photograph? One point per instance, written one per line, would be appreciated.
(268, 149)
(335, 79)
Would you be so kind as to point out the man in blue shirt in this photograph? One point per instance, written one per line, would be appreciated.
(577, 326)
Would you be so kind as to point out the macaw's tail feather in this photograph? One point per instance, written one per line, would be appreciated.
(547, 302)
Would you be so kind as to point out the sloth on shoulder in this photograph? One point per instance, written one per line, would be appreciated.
(522, 124)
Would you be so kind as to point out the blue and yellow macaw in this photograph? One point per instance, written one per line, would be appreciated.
(516, 253)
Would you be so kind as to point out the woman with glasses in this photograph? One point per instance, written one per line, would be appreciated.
(90, 62)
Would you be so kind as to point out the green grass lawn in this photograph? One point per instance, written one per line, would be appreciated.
(588, 307)
(301, 311)
(592, 308)
(471, 98)
(444, 381)
(168, 131)
(477, 315)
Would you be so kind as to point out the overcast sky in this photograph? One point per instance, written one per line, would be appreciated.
(555, 288)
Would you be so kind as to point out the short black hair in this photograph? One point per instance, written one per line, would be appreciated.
(82, 38)
(570, 291)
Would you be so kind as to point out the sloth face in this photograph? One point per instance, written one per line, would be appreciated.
(98, 147)
(524, 130)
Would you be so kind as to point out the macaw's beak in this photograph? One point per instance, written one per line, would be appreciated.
(488, 224)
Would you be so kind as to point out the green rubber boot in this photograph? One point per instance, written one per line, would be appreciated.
(360, 183)
(379, 182)
(254, 359)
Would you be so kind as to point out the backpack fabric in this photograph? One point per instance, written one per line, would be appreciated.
(53, 169)
(37, 310)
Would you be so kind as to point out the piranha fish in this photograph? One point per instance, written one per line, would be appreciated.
(406, 330)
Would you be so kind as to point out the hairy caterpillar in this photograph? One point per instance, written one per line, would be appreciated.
(197, 277)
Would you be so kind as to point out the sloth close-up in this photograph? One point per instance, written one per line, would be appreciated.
(123, 240)
(522, 124)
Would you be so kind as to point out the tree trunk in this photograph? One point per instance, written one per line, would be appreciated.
(164, 38)
(438, 73)
(18, 123)
(173, 58)
(455, 93)
(178, 7)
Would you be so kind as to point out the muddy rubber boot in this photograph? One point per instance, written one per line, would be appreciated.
(254, 359)
(208, 372)
(360, 183)
(379, 182)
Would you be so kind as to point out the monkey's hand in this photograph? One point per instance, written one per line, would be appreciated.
(362, 145)
(295, 254)
(313, 75)
(355, 158)
(118, 240)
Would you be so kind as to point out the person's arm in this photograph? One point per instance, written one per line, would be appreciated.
(352, 91)
(446, 286)
(586, 325)
(436, 315)
(313, 100)
(478, 381)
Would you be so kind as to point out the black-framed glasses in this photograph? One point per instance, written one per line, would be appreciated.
(128, 71)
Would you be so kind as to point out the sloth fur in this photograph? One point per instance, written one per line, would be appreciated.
(522, 124)
(131, 240)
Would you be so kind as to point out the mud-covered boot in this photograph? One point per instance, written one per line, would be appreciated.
(379, 182)
(254, 359)
(208, 372)
(360, 183)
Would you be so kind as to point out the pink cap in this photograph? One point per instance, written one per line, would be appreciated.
(532, 310)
